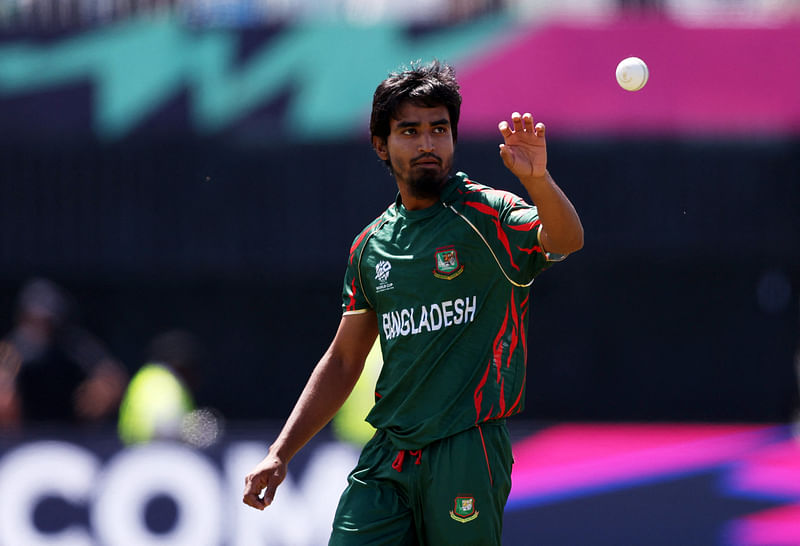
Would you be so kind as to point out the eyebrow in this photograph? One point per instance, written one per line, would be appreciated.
(404, 124)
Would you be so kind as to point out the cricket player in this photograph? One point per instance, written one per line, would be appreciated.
(443, 277)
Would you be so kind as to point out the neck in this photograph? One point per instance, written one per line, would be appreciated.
(412, 202)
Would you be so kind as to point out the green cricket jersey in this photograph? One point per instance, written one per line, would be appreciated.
(450, 286)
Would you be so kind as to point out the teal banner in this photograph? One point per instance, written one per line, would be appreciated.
(305, 82)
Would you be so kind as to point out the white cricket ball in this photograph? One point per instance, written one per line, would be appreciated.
(632, 73)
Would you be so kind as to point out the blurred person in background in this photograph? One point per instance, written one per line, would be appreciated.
(443, 276)
(159, 403)
(52, 369)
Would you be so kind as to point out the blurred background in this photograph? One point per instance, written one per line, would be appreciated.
(180, 182)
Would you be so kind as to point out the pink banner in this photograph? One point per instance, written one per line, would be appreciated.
(585, 456)
(703, 81)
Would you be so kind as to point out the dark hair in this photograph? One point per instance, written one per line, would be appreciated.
(429, 85)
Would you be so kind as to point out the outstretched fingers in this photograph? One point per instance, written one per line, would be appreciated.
(523, 150)
(521, 124)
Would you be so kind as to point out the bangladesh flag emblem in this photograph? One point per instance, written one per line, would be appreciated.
(447, 265)
(464, 510)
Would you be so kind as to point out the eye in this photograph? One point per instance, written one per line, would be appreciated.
(440, 130)
(409, 131)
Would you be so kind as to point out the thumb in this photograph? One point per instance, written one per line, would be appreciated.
(507, 155)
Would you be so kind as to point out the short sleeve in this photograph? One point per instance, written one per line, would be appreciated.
(511, 228)
(520, 222)
(354, 299)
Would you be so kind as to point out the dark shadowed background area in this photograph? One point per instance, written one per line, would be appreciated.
(681, 306)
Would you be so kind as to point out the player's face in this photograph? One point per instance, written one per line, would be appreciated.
(420, 148)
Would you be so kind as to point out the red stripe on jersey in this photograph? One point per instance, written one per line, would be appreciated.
(480, 207)
(477, 190)
(507, 197)
(536, 248)
(473, 187)
(497, 348)
(364, 233)
(502, 407)
(527, 226)
(351, 305)
(511, 348)
(479, 393)
(523, 338)
(514, 330)
(523, 310)
(523, 306)
(484, 208)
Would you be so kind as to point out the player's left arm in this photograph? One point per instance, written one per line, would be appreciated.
(524, 153)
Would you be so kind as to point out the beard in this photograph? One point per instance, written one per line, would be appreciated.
(427, 182)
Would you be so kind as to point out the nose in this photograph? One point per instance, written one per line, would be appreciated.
(425, 143)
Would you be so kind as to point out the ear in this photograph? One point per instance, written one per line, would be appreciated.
(379, 145)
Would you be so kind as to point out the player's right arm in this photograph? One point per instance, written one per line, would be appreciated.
(326, 390)
(524, 153)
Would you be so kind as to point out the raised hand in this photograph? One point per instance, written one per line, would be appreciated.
(524, 150)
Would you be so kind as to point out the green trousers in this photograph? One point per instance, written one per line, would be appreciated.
(452, 491)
